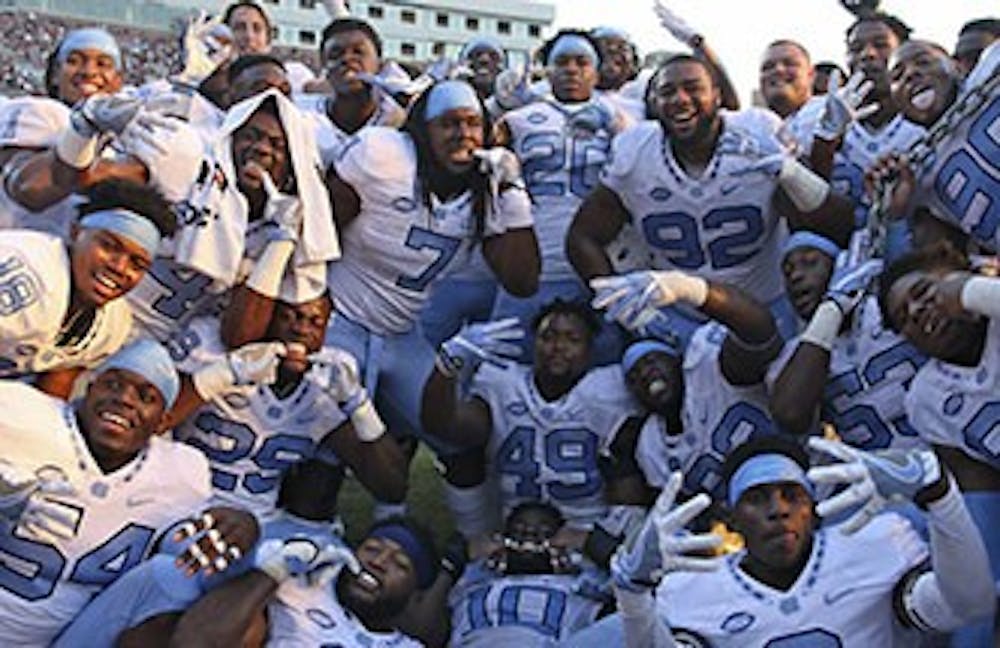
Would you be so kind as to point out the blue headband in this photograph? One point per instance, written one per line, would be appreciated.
(802, 239)
(149, 359)
(768, 468)
(423, 562)
(636, 350)
(610, 32)
(572, 45)
(90, 38)
(450, 95)
(126, 223)
(479, 44)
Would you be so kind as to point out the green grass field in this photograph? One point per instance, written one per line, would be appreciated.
(425, 501)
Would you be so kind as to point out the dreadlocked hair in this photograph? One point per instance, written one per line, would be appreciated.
(475, 180)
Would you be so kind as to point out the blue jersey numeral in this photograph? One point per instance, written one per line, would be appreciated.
(36, 567)
(740, 423)
(676, 235)
(569, 452)
(982, 433)
(17, 290)
(543, 158)
(231, 441)
(419, 238)
(514, 609)
(861, 425)
(968, 189)
(185, 288)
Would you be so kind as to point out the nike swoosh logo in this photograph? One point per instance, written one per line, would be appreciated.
(726, 190)
(832, 597)
(910, 472)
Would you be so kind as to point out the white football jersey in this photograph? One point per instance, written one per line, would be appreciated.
(860, 149)
(249, 434)
(562, 149)
(716, 417)
(870, 371)
(35, 123)
(489, 610)
(800, 126)
(118, 515)
(548, 451)
(843, 597)
(962, 182)
(330, 137)
(959, 407)
(397, 247)
(311, 615)
(35, 287)
(719, 226)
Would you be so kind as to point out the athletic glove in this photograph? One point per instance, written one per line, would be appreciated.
(336, 373)
(661, 542)
(251, 364)
(843, 105)
(848, 286)
(873, 479)
(492, 342)
(677, 26)
(632, 300)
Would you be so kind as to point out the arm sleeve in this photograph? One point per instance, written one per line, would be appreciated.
(643, 626)
(959, 588)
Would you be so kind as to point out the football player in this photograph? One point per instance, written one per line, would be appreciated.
(847, 368)
(100, 490)
(527, 593)
(860, 121)
(252, 32)
(351, 52)
(562, 145)
(546, 427)
(843, 585)
(292, 399)
(955, 179)
(83, 133)
(974, 37)
(701, 191)
(930, 297)
(703, 400)
(62, 310)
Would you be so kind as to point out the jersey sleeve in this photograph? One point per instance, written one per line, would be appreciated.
(32, 122)
(34, 284)
(372, 156)
(487, 380)
(626, 152)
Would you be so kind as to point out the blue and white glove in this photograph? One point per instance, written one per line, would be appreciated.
(849, 285)
(493, 342)
(251, 364)
(677, 26)
(337, 9)
(873, 479)
(336, 373)
(762, 154)
(512, 88)
(25, 501)
(282, 210)
(632, 300)
(661, 542)
(206, 44)
(96, 115)
(282, 559)
(502, 167)
(844, 105)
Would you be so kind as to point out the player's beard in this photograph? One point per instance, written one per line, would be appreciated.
(377, 613)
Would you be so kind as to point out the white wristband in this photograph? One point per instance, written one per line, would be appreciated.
(982, 295)
(214, 379)
(76, 150)
(367, 423)
(824, 326)
(805, 189)
(265, 278)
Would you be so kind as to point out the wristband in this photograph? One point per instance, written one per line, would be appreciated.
(76, 150)
(982, 295)
(824, 326)
(367, 423)
(265, 278)
(805, 189)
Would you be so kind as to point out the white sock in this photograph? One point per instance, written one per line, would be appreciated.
(473, 509)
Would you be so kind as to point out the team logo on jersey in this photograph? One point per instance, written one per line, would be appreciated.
(660, 194)
(321, 618)
(953, 404)
(404, 204)
(236, 401)
(537, 118)
(518, 408)
(737, 622)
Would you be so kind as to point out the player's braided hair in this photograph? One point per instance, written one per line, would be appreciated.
(427, 165)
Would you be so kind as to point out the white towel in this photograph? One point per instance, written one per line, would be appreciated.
(212, 238)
